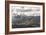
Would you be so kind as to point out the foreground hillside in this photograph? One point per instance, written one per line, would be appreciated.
(25, 21)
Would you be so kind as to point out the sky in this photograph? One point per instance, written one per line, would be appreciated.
(21, 9)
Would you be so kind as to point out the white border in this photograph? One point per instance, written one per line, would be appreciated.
(24, 29)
